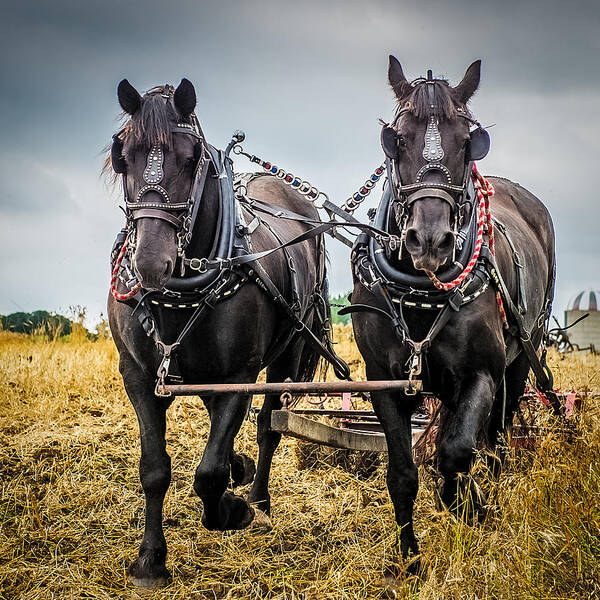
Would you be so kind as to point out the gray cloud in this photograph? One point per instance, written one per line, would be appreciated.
(307, 82)
(33, 188)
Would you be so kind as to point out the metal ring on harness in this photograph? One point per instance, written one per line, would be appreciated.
(199, 264)
(320, 203)
(241, 191)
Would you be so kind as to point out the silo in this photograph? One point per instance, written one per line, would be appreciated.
(587, 332)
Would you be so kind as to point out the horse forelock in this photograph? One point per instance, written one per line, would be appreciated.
(418, 104)
(152, 123)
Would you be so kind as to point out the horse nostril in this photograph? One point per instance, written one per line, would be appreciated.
(412, 239)
(168, 269)
(446, 242)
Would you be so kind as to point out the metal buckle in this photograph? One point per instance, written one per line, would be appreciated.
(517, 259)
(393, 243)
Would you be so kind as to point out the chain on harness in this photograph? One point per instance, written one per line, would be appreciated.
(311, 192)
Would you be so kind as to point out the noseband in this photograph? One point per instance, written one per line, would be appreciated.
(153, 176)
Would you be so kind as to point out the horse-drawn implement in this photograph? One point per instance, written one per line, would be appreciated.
(358, 429)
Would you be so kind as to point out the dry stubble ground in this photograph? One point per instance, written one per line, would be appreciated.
(71, 509)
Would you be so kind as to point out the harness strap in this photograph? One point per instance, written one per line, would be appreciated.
(543, 376)
(340, 368)
(275, 211)
(198, 188)
(157, 214)
(521, 296)
(204, 264)
(168, 350)
(428, 192)
(328, 206)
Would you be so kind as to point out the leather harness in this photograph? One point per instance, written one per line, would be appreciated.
(222, 274)
(396, 290)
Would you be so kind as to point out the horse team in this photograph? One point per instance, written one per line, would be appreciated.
(470, 359)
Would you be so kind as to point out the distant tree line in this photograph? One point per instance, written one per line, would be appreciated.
(38, 322)
(42, 322)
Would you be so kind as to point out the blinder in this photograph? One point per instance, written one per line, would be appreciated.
(478, 145)
(390, 142)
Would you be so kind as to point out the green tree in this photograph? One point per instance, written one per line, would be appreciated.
(337, 302)
(39, 321)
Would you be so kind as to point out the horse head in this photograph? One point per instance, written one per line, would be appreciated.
(157, 152)
(432, 149)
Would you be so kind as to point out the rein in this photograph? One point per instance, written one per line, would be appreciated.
(484, 190)
(115, 274)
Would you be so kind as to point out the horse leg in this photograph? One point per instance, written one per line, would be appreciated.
(515, 379)
(286, 365)
(149, 570)
(460, 431)
(223, 510)
(394, 412)
(242, 466)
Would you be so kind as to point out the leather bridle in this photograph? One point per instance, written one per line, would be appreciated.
(448, 191)
(457, 196)
(180, 215)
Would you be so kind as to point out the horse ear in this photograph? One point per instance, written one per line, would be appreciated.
(129, 98)
(185, 98)
(470, 82)
(398, 81)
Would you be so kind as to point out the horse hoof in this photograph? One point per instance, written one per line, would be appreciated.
(141, 575)
(263, 505)
(234, 513)
(243, 470)
(261, 520)
(149, 584)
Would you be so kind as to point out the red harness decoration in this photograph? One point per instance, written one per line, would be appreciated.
(484, 190)
(115, 273)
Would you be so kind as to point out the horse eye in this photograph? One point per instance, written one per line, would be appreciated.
(401, 142)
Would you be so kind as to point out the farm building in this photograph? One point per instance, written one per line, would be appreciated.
(587, 332)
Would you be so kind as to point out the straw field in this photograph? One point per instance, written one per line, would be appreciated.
(71, 508)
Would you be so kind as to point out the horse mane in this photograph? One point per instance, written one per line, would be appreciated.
(417, 102)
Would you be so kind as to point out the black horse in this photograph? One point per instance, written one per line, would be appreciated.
(471, 359)
(174, 185)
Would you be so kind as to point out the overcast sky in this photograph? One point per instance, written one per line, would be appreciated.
(307, 82)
